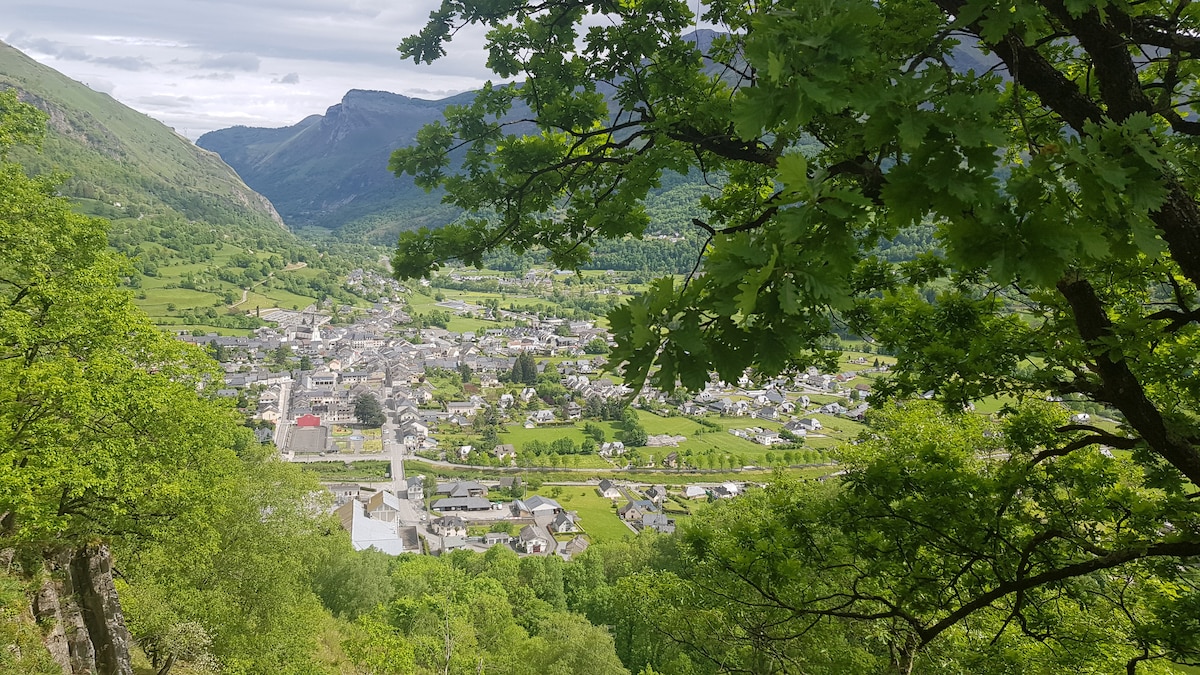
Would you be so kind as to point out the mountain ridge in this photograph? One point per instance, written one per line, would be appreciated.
(330, 170)
(116, 155)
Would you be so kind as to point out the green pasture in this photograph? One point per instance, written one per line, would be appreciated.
(597, 516)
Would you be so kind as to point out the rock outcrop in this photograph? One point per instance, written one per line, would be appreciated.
(78, 601)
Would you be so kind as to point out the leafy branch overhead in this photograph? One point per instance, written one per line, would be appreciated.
(1055, 167)
(1052, 145)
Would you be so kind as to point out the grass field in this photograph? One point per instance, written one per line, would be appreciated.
(596, 514)
(366, 470)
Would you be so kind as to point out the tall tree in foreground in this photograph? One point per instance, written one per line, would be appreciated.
(112, 439)
(1050, 145)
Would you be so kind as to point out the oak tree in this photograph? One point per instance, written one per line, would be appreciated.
(1049, 146)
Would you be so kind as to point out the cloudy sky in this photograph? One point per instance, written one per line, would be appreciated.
(199, 65)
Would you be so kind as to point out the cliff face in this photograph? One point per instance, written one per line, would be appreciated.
(78, 602)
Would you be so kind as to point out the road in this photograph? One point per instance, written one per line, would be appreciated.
(285, 400)
(395, 451)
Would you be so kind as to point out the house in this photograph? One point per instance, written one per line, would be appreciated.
(656, 494)
(542, 416)
(671, 460)
(727, 490)
(768, 437)
(795, 428)
(659, 523)
(725, 406)
(462, 488)
(808, 424)
(511, 483)
(832, 409)
(415, 488)
(449, 526)
(464, 451)
(466, 409)
(384, 506)
(573, 548)
(450, 504)
(415, 428)
(493, 538)
(563, 523)
(859, 413)
(608, 490)
(308, 421)
(767, 413)
(612, 449)
(504, 451)
(536, 505)
(632, 512)
(343, 492)
(531, 540)
(367, 532)
(453, 543)
(694, 492)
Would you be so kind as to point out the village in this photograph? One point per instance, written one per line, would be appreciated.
(531, 394)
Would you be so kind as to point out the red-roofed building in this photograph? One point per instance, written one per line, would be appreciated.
(308, 421)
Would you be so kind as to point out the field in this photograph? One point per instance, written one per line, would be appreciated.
(596, 514)
(333, 472)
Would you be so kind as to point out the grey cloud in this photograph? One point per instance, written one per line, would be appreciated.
(224, 77)
(164, 101)
(131, 63)
(439, 93)
(290, 78)
(43, 45)
(74, 54)
(246, 62)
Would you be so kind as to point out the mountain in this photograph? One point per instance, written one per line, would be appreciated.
(116, 155)
(328, 171)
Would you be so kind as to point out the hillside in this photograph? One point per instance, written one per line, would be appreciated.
(117, 155)
(208, 251)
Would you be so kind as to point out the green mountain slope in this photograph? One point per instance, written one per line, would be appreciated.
(116, 155)
(209, 253)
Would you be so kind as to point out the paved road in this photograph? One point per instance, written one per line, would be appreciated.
(285, 399)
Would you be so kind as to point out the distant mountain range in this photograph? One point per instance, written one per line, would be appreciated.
(118, 156)
(330, 171)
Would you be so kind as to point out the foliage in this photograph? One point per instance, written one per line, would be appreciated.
(524, 369)
(111, 431)
(481, 613)
(368, 410)
(1043, 151)
(248, 576)
(96, 406)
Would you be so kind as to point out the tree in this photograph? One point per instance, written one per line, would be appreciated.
(368, 411)
(1058, 173)
(596, 346)
(524, 369)
(97, 405)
